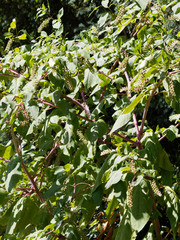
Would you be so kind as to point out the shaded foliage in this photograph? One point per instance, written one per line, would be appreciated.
(80, 156)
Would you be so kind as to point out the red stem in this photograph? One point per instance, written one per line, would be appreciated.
(85, 103)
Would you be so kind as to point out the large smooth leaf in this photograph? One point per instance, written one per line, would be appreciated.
(13, 174)
(173, 211)
(141, 209)
(108, 162)
(22, 217)
(87, 207)
(96, 130)
(111, 206)
(122, 120)
(114, 178)
(142, 3)
(124, 230)
(133, 104)
(90, 79)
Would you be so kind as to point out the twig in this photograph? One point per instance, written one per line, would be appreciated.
(125, 138)
(87, 119)
(105, 75)
(161, 138)
(47, 158)
(6, 160)
(8, 75)
(110, 71)
(139, 29)
(102, 94)
(74, 101)
(174, 72)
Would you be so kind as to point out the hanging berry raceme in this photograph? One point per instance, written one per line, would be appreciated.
(129, 196)
(155, 188)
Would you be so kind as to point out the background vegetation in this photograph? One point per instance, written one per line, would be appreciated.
(89, 105)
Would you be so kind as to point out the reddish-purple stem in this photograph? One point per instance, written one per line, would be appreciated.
(6, 160)
(174, 72)
(102, 94)
(18, 150)
(161, 138)
(134, 116)
(16, 73)
(74, 101)
(85, 103)
(126, 139)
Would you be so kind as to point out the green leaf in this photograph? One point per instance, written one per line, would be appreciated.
(96, 130)
(87, 207)
(141, 209)
(8, 35)
(164, 161)
(22, 217)
(90, 79)
(173, 211)
(103, 19)
(172, 133)
(124, 230)
(111, 206)
(114, 178)
(3, 196)
(67, 167)
(105, 3)
(142, 3)
(134, 103)
(23, 36)
(13, 174)
(122, 120)
(108, 162)
(8, 152)
(13, 24)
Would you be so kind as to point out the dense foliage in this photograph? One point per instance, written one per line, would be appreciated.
(79, 156)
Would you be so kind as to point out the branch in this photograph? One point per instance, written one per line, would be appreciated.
(147, 106)
(74, 101)
(134, 116)
(18, 150)
(85, 103)
(87, 119)
(16, 73)
(110, 71)
(102, 94)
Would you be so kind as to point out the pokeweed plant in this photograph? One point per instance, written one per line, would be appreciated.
(78, 158)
